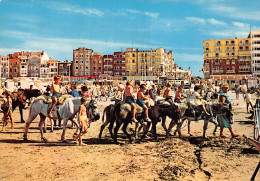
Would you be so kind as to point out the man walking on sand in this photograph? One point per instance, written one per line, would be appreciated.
(244, 89)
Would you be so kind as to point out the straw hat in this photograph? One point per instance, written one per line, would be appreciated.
(57, 77)
(225, 85)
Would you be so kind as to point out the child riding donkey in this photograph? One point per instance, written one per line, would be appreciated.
(56, 93)
(129, 98)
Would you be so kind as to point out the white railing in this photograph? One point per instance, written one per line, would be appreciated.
(218, 71)
(231, 71)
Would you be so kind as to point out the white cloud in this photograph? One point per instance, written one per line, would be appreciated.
(237, 30)
(230, 33)
(195, 19)
(236, 13)
(187, 57)
(203, 21)
(85, 11)
(238, 24)
(216, 22)
(30, 42)
(75, 9)
(150, 14)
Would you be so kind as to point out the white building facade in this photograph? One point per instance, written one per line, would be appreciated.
(255, 51)
(4, 64)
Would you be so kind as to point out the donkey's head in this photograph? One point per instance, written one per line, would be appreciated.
(93, 112)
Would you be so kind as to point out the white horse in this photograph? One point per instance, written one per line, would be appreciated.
(67, 111)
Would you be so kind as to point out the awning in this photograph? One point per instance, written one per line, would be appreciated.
(75, 80)
(83, 81)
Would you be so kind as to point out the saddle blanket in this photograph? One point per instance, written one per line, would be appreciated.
(48, 99)
(125, 108)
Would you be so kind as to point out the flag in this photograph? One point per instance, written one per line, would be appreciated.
(201, 70)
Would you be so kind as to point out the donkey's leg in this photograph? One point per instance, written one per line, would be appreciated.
(137, 129)
(163, 123)
(172, 124)
(30, 120)
(102, 128)
(51, 120)
(21, 114)
(42, 121)
(216, 125)
(206, 122)
(147, 128)
(110, 128)
(154, 123)
(124, 130)
(189, 121)
(118, 125)
(75, 122)
(179, 128)
(65, 121)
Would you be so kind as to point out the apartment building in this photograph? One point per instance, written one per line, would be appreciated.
(24, 66)
(96, 64)
(227, 59)
(81, 61)
(14, 66)
(119, 64)
(255, 51)
(146, 64)
(53, 66)
(4, 66)
(108, 64)
(64, 68)
(45, 69)
(34, 64)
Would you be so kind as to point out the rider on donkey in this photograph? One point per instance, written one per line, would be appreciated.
(168, 93)
(56, 93)
(129, 98)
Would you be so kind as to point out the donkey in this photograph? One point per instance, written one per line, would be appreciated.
(161, 111)
(110, 119)
(67, 111)
(19, 100)
(195, 113)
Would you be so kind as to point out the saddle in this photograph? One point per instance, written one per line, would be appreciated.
(48, 99)
(125, 107)
(163, 103)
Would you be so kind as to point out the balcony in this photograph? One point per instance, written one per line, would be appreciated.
(206, 51)
(231, 71)
(218, 71)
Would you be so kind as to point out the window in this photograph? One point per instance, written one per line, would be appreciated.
(133, 61)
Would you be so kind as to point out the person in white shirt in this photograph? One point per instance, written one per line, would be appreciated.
(244, 89)
(248, 100)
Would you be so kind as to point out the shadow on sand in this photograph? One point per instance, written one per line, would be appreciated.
(245, 122)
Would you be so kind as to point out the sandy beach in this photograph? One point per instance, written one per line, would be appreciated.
(191, 158)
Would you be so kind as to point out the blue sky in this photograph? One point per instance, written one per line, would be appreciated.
(105, 26)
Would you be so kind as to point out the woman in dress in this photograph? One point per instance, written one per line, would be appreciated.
(222, 119)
